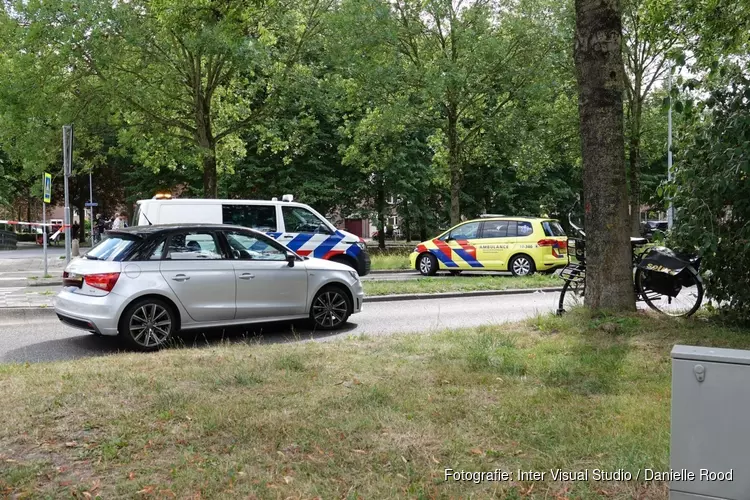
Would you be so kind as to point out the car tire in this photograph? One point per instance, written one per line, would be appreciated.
(522, 265)
(427, 264)
(330, 308)
(148, 324)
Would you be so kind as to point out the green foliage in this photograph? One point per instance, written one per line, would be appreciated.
(712, 192)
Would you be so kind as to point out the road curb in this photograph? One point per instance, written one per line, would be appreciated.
(451, 295)
(44, 283)
(26, 313)
(391, 271)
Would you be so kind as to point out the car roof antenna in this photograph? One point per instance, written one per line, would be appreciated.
(149, 222)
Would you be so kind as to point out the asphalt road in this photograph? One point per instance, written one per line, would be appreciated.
(44, 338)
(32, 252)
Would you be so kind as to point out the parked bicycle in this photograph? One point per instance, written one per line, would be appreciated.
(667, 281)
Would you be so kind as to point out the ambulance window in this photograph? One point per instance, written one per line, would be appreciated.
(495, 229)
(258, 217)
(466, 231)
(512, 229)
(553, 228)
(301, 220)
(524, 229)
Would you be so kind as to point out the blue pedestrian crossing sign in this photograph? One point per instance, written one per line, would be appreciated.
(47, 187)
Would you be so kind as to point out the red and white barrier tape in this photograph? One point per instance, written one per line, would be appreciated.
(20, 223)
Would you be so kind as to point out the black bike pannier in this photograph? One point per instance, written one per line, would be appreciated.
(661, 283)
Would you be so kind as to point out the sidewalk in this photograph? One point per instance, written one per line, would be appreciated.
(27, 297)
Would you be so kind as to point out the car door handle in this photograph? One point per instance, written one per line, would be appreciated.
(247, 276)
(288, 236)
(180, 277)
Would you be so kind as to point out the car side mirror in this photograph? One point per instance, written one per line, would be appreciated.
(290, 259)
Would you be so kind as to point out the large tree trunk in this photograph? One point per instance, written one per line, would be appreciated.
(28, 203)
(407, 222)
(454, 164)
(634, 158)
(635, 181)
(205, 138)
(599, 70)
(422, 225)
(380, 206)
(210, 186)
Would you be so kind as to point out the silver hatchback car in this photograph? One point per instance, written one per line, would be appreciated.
(146, 283)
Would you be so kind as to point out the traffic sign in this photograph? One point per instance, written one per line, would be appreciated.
(92, 204)
(47, 187)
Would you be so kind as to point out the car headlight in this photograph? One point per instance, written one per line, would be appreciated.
(354, 275)
(362, 245)
(416, 250)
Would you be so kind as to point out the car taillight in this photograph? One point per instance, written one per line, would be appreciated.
(551, 243)
(105, 281)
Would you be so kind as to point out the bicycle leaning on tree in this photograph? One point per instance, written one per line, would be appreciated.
(669, 282)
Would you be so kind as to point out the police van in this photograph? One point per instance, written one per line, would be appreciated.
(295, 225)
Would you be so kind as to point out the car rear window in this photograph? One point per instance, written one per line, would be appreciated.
(114, 247)
(553, 228)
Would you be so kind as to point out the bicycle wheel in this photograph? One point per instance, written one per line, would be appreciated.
(684, 300)
(572, 293)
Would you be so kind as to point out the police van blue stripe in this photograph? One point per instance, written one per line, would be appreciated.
(328, 244)
(353, 250)
(298, 241)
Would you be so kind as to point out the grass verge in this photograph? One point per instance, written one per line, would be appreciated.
(394, 261)
(368, 417)
(440, 284)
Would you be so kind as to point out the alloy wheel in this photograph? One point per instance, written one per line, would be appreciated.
(521, 266)
(330, 309)
(150, 325)
(425, 264)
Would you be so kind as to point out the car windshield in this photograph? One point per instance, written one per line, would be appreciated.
(114, 248)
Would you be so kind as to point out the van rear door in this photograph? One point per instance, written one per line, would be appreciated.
(555, 241)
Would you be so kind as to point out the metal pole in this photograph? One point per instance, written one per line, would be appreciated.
(91, 210)
(670, 211)
(67, 167)
(44, 234)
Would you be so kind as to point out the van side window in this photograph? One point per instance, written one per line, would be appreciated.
(258, 217)
(301, 220)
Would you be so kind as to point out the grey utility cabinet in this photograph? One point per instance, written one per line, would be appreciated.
(710, 423)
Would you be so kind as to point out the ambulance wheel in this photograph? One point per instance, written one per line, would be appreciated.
(522, 265)
(427, 264)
